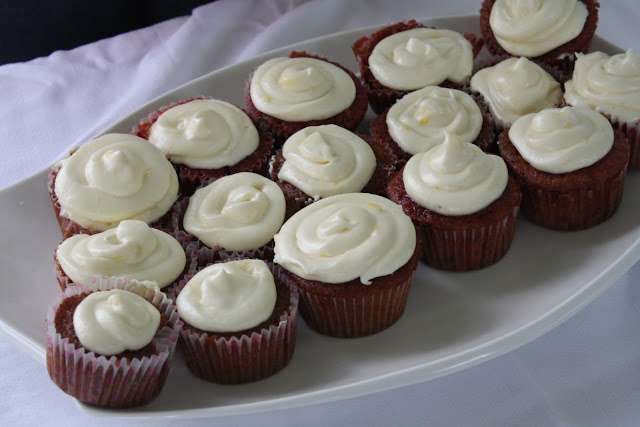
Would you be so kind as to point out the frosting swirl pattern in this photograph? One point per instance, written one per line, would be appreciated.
(236, 212)
(132, 250)
(515, 87)
(327, 160)
(421, 57)
(455, 178)
(110, 322)
(205, 134)
(418, 121)
(115, 177)
(610, 85)
(558, 140)
(228, 297)
(301, 89)
(534, 27)
(345, 237)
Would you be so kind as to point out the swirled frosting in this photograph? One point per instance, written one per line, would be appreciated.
(301, 89)
(610, 85)
(558, 140)
(345, 237)
(327, 160)
(228, 297)
(421, 57)
(236, 212)
(115, 177)
(534, 27)
(455, 178)
(515, 87)
(418, 121)
(205, 134)
(110, 322)
(132, 250)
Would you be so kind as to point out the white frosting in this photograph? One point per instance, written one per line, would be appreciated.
(228, 297)
(110, 322)
(347, 236)
(610, 85)
(326, 160)
(236, 212)
(515, 87)
(534, 27)
(419, 120)
(559, 140)
(205, 134)
(420, 57)
(301, 89)
(455, 178)
(132, 250)
(115, 177)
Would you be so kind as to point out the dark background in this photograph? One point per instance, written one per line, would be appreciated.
(33, 28)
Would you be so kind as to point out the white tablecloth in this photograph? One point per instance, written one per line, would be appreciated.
(584, 372)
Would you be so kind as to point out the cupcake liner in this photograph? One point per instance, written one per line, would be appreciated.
(112, 382)
(632, 132)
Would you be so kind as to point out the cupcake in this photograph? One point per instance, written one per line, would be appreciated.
(109, 179)
(515, 87)
(110, 343)
(322, 161)
(419, 120)
(353, 258)
(570, 164)
(407, 56)
(286, 95)
(240, 321)
(541, 30)
(132, 250)
(462, 200)
(206, 139)
(611, 86)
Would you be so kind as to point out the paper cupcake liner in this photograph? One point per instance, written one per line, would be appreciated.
(244, 358)
(109, 381)
(632, 132)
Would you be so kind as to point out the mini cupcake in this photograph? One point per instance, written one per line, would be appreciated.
(570, 164)
(132, 250)
(463, 202)
(353, 258)
(515, 87)
(322, 161)
(206, 139)
(544, 31)
(611, 86)
(240, 321)
(109, 179)
(407, 56)
(286, 95)
(419, 120)
(110, 343)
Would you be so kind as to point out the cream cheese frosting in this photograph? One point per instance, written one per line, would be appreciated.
(345, 237)
(515, 87)
(534, 27)
(132, 250)
(205, 134)
(301, 89)
(115, 177)
(418, 121)
(228, 297)
(558, 140)
(455, 178)
(607, 84)
(236, 212)
(421, 57)
(326, 160)
(110, 322)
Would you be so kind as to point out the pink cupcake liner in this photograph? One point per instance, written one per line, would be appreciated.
(111, 381)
